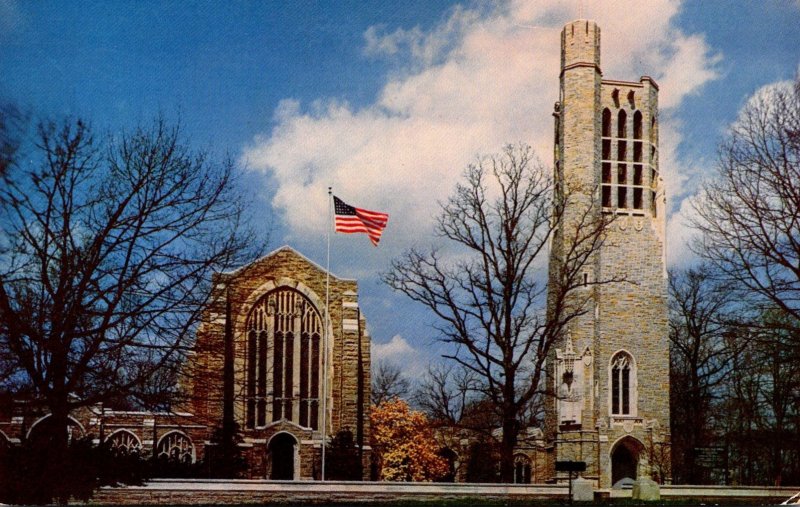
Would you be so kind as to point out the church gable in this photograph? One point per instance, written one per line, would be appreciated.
(275, 309)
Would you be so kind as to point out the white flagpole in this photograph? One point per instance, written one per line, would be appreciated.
(326, 334)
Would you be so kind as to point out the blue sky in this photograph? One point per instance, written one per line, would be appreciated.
(386, 101)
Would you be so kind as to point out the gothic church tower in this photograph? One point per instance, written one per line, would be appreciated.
(610, 371)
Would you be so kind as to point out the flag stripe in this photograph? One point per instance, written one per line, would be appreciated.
(349, 220)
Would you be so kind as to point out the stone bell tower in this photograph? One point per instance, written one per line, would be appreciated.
(610, 371)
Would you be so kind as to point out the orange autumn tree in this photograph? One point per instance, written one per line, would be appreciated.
(404, 444)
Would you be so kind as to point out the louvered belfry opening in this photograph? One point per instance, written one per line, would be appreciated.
(283, 360)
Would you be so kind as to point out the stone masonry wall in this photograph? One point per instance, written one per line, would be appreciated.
(630, 315)
(284, 267)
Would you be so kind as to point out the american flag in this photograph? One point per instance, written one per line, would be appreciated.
(350, 220)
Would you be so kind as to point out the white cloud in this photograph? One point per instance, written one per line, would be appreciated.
(412, 362)
(475, 82)
(684, 186)
(396, 350)
(680, 235)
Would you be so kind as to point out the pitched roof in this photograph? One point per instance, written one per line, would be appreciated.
(293, 251)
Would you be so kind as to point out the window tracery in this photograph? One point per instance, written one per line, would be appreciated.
(284, 333)
(176, 446)
(623, 384)
(124, 442)
(522, 469)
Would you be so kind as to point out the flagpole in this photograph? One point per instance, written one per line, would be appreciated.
(326, 334)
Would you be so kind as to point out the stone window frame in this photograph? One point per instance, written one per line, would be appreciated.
(523, 469)
(624, 162)
(124, 441)
(179, 441)
(74, 427)
(265, 405)
(632, 386)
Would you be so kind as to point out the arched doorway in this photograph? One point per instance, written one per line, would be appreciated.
(282, 449)
(625, 459)
(451, 457)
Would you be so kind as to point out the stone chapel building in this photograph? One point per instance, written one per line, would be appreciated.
(275, 310)
(611, 370)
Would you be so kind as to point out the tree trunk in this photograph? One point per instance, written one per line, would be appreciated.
(510, 429)
(55, 436)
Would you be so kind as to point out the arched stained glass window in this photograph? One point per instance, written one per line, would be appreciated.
(175, 446)
(283, 357)
(522, 469)
(623, 380)
(124, 442)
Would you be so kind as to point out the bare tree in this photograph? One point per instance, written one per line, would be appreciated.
(12, 122)
(491, 299)
(388, 382)
(445, 393)
(110, 254)
(749, 214)
(701, 321)
(758, 413)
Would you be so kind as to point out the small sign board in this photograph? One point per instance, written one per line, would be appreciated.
(710, 457)
(570, 466)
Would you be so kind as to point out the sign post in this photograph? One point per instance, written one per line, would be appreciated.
(570, 467)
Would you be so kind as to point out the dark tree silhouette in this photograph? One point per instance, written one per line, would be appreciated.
(492, 298)
(342, 458)
(749, 214)
(445, 393)
(108, 253)
(701, 321)
(388, 382)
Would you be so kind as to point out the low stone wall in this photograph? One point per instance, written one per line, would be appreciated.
(192, 491)
(721, 494)
(751, 495)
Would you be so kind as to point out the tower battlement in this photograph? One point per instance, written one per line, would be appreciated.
(580, 44)
(610, 370)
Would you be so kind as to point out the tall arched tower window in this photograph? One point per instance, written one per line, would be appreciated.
(607, 184)
(623, 384)
(638, 183)
(282, 364)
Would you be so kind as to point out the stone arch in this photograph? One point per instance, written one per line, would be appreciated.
(451, 457)
(177, 446)
(623, 393)
(283, 359)
(606, 123)
(241, 338)
(124, 441)
(637, 125)
(5, 442)
(625, 456)
(283, 449)
(269, 286)
(522, 469)
(622, 124)
(71, 421)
